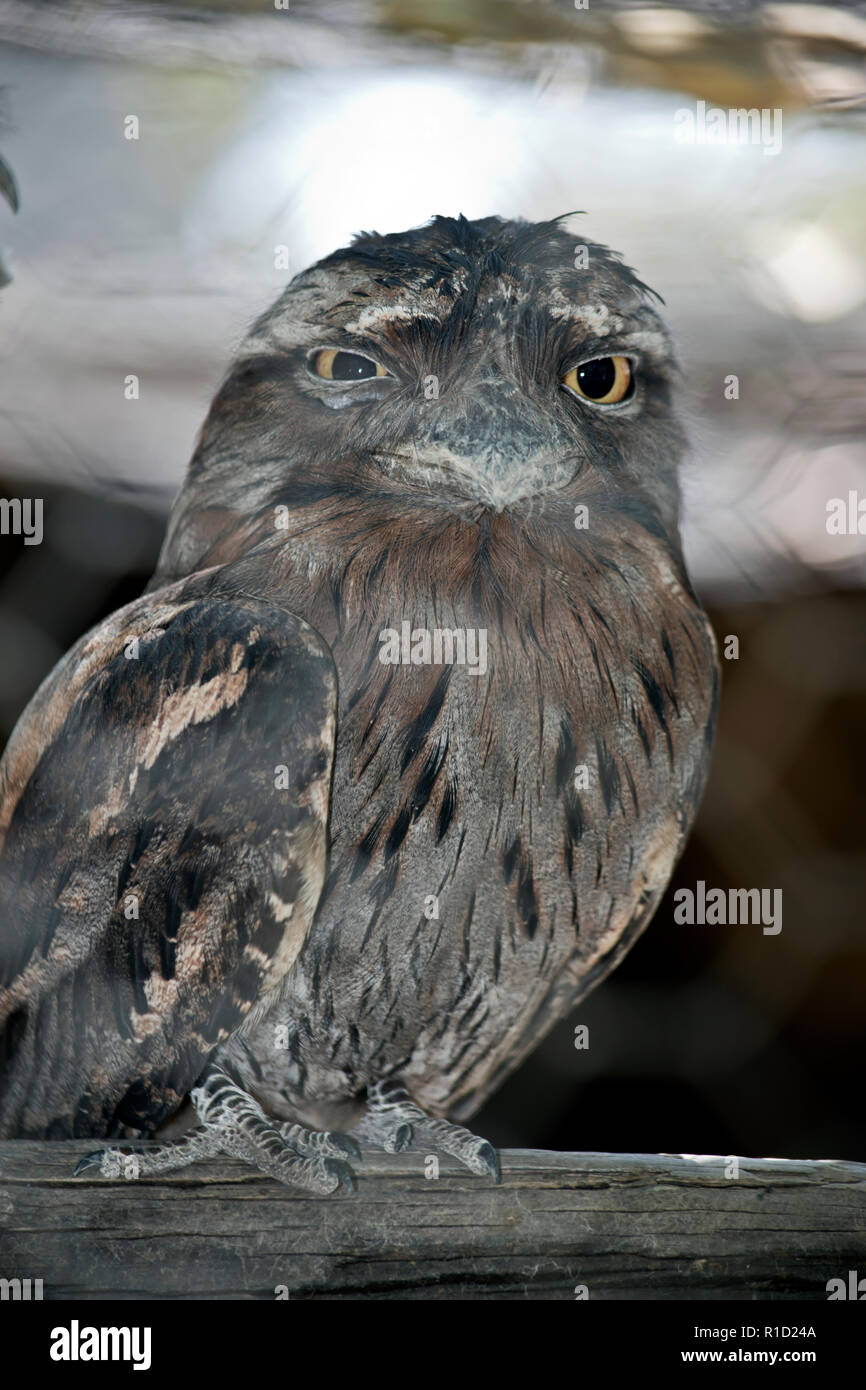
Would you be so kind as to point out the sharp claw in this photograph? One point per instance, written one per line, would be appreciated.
(88, 1161)
(346, 1144)
(490, 1158)
(484, 1162)
(402, 1138)
(343, 1173)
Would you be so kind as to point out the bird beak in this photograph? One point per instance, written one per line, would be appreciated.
(498, 449)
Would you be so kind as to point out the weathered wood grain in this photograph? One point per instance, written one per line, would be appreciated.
(626, 1226)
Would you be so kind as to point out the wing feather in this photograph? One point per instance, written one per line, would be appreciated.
(163, 836)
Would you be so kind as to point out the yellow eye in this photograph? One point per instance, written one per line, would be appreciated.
(334, 365)
(604, 380)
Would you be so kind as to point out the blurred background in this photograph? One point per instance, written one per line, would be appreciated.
(264, 137)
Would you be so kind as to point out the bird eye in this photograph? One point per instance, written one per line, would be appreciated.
(334, 365)
(604, 380)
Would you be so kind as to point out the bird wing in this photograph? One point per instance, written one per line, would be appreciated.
(163, 836)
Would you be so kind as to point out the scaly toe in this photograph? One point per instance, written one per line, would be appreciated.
(111, 1163)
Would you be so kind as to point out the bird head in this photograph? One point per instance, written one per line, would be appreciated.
(465, 368)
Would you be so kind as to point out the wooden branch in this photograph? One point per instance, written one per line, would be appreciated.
(623, 1225)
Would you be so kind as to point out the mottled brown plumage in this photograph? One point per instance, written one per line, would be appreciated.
(497, 840)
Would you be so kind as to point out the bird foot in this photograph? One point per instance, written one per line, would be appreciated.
(233, 1123)
(394, 1122)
